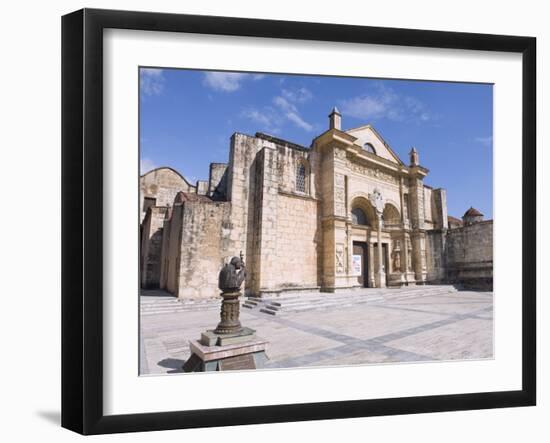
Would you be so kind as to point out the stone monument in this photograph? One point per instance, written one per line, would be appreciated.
(229, 346)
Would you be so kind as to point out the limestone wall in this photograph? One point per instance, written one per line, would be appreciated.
(435, 208)
(217, 181)
(151, 246)
(171, 246)
(243, 177)
(162, 184)
(297, 243)
(428, 206)
(435, 256)
(204, 247)
(462, 255)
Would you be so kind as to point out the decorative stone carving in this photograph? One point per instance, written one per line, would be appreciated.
(340, 154)
(397, 256)
(340, 268)
(368, 170)
(339, 195)
(377, 200)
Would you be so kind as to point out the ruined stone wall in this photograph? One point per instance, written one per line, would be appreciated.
(429, 216)
(469, 253)
(161, 184)
(243, 188)
(297, 243)
(435, 256)
(151, 247)
(439, 204)
(204, 248)
(171, 247)
(462, 255)
(202, 187)
(217, 181)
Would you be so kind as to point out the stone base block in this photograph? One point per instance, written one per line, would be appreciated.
(230, 357)
(211, 338)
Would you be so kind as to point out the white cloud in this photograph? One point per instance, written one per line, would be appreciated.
(384, 103)
(146, 165)
(228, 81)
(268, 119)
(299, 121)
(291, 112)
(485, 141)
(223, 81)
(286, 108)
(300, 95)
(284, 104)
(151, 81)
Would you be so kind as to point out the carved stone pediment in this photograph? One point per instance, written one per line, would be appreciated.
(369, 170)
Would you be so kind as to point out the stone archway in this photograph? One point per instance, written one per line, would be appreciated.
(361, 205)
(391, 215)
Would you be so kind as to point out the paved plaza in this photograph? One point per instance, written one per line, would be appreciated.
(364, 327)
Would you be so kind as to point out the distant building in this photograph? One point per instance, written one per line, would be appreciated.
(345, 212)
(472, 216)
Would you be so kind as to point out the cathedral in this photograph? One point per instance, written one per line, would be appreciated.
(344, 213)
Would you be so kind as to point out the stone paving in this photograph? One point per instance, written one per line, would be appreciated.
(421, 326)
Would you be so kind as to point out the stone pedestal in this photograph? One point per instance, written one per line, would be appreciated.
(229, 347)
(230, 357)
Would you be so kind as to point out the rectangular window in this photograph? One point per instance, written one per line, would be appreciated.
(301, 178)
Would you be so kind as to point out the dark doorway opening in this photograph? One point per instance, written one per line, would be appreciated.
(360, 253)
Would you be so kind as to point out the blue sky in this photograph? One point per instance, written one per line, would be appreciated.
(187, 118)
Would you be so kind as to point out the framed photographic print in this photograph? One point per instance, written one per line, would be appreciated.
(269, 221)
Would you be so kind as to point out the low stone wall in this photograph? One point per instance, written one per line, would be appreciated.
(462, 256)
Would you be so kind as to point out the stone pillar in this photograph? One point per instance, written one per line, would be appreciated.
(404, 260)
(371, 266)
(334, 219)
(419, 257)
(378, 203)
(380, 274)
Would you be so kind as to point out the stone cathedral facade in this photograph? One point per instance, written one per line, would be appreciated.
(345, 212)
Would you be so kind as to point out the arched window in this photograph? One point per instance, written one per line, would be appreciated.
(391, 215)
(301, 178)
(369, 148)
(358, 217)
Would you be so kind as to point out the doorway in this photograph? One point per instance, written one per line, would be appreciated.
(360, 263)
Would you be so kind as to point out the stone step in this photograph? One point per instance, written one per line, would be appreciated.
(346, 300)
(292, 302)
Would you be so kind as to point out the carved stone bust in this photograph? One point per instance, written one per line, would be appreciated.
(377, 201)
(232, 275)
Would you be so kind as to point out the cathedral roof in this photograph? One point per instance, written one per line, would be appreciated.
(472, 212)
(280, 141)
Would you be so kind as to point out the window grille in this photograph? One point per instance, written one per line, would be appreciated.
(301, 178)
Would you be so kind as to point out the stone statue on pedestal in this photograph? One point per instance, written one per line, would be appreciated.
(230, 279)
(230, 346)
(232, 275)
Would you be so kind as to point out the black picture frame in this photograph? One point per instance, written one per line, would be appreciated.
(82, 218)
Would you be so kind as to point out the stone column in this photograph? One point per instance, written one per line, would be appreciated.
(380, 274)
(378, 203)
(405, 261)
(371, 266)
